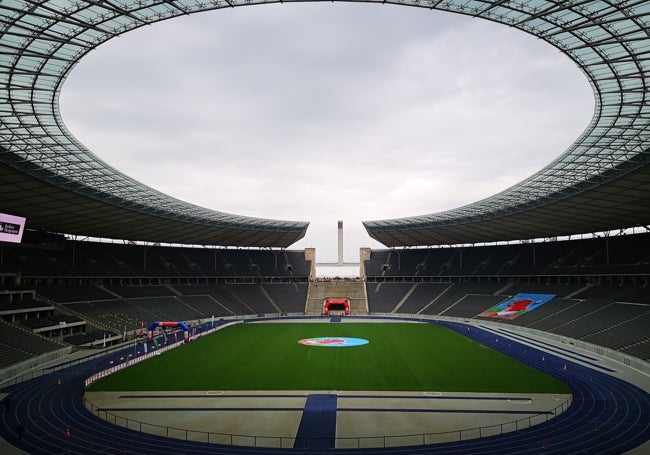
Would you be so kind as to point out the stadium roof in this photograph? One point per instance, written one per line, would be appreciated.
(50, 178)
(48, 202)
(600, 183)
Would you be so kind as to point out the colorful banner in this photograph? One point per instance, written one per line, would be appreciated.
(333, 342)
(517, 305)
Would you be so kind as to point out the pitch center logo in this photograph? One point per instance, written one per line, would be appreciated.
(333, 342)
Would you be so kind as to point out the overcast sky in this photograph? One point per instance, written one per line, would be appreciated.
(325, 112)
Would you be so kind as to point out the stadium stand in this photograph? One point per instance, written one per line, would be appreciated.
(470, 305)
(561, 290)
(290, 299)
(622, 291)
(165, 309)
(547, 311)
(598, 184)
(15, 340)
(384, 297)
(253, 297)
(140, 291)
(113, 287)
(108, 289)
(422, 295)
(601, 285)
(118, 286)
(16, 310)
(622, 255)
(73, 293)
(68, 258)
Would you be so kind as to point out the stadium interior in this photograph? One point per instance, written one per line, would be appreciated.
(59, 294)
(577, 230)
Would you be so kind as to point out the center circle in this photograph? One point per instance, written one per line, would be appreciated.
(333, 342)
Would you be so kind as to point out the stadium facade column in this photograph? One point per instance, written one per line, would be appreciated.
(364, 255)
(310, 255)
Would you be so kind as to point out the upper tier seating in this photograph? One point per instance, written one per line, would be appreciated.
(628, 254)
(68, 258)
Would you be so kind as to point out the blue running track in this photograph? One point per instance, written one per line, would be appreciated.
(608, 416)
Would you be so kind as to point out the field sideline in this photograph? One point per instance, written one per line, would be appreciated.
(398, 357)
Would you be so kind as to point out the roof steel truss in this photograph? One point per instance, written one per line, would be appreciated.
(41, 41)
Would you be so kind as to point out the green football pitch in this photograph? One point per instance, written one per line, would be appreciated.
(397, 357)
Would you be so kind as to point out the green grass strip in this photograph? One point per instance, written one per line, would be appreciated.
(399, 357)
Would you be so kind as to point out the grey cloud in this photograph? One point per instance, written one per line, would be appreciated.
(324, 112)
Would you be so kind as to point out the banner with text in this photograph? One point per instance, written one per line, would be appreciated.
(11, 228)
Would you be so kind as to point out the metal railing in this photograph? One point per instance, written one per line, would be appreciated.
(38, 372)
(359, 442)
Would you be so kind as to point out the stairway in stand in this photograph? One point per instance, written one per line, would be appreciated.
(354, 291)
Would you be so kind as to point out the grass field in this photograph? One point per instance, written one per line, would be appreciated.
(398, 357)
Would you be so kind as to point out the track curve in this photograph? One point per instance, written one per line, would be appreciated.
(608, 416)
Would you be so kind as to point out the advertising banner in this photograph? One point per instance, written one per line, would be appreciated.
(11, 228)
